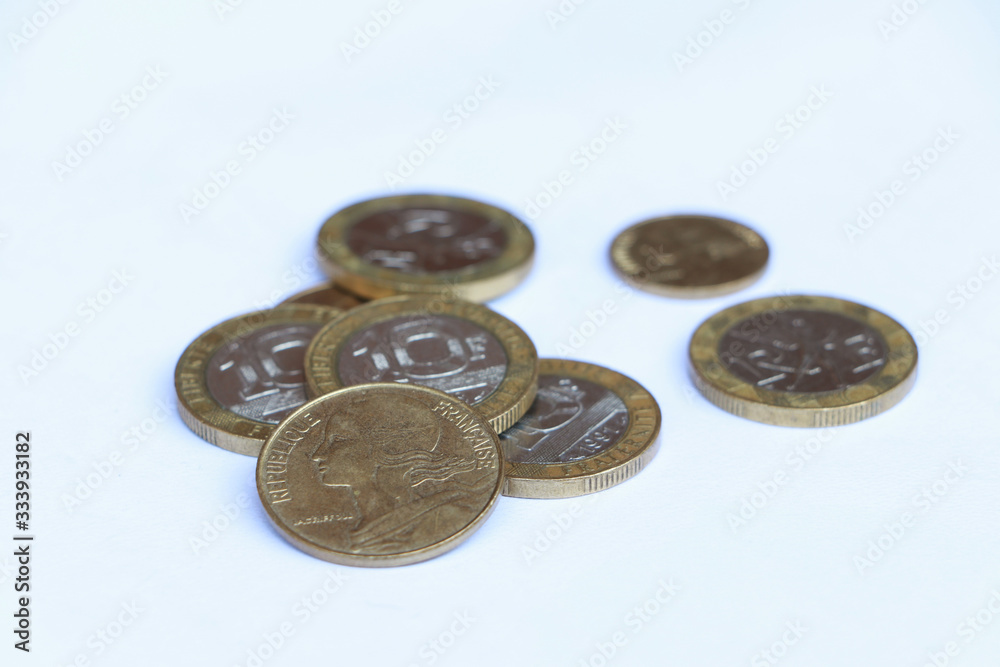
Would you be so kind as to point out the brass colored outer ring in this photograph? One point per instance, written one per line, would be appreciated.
(865, 399)
(633, 273)
(331, 294)
(479, 282)
(502, 408)
(381, 560)
(630, 454)
(199, 410)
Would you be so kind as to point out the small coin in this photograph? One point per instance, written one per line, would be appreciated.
(240, 378)
(459, 347)
(589, 429)
(426, 244)
(380, 474)
(327, 294)
(689, 256)
(803, 361)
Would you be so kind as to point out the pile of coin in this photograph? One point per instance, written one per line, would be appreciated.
(389, 409)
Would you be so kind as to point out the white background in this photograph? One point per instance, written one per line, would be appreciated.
(130, 539)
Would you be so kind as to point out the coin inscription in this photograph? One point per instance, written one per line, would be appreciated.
(261, 376)
(426, 240)
(447, 353)
(803, 351)
(571, 419)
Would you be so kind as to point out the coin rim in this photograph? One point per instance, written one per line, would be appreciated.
(478, 282)
(872, 396)
(381, 560)
(502, 408)
(198, 408)
(322, 287)
(567, 480)
(620, 258)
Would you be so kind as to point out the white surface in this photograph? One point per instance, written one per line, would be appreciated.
(130, 540)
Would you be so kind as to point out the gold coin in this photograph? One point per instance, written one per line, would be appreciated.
(689, 256)
(380, 474)
(426, 244)
(459, 347)
(240, 378)
(327, 294)
(589, 429)
(803, 361)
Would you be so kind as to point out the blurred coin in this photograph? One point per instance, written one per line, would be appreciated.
(589, 429)
(803, 361)
(426, 244)
(327, 294)
(240, 378)
(461, 348)
(380, 474)
(689, 256)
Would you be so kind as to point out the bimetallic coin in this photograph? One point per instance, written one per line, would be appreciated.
(689, 256)
(380, 474)
(327, 294)
(240, 378)
(803, 361)
(458, 347)
(426, 244)
(589, 429)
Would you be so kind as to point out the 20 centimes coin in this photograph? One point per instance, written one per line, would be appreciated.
(380, 474)
(462, 348)
(327, 294)
(803, 361)
(689, 256)
(240, 378)
(589, 429)
(426, 244)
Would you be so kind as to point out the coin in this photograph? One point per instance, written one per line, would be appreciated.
(459, 347)
(327, 294)
(426, 244)
(380, 474)
(240, 378)
(689, 256)
(589, 429)
(803, 361)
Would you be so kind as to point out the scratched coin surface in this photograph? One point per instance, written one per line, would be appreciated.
(425, 244)
(689, 256)
(240, 378)
(459, 347)
(327, 294)
(380, 474)
(803, 361)
(589, 429)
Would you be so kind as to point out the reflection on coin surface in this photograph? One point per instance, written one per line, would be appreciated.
(326, 294)
(380, 474)
(689, 256)
(589, 428)
(458, 347)
(240, 378)
(803, 361)
(426, 244)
